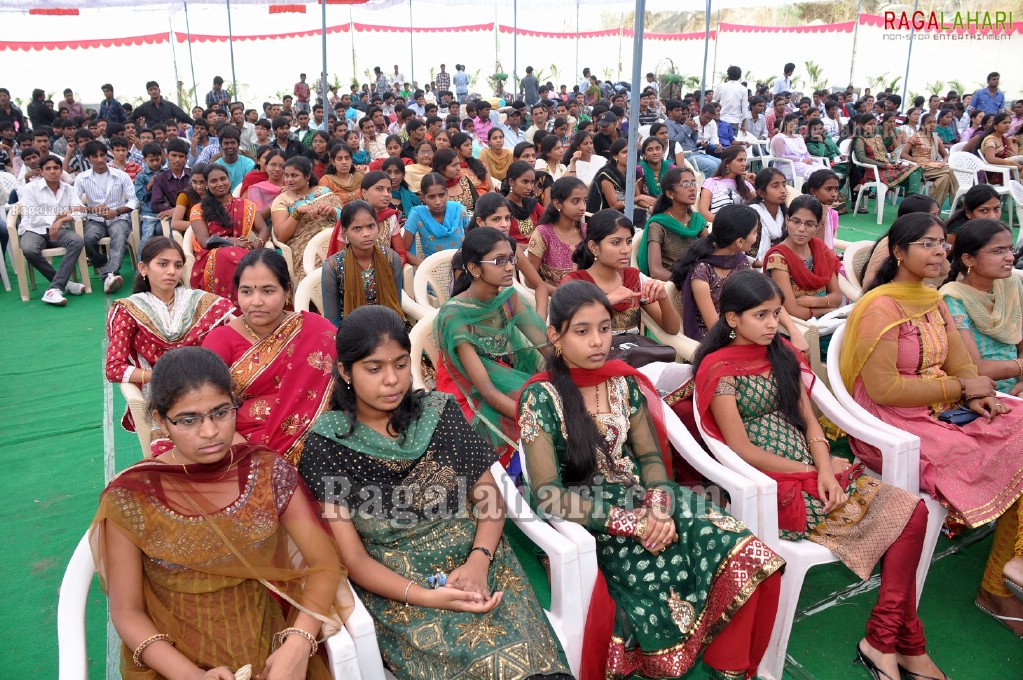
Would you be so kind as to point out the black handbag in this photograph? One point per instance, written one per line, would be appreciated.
(637, 350)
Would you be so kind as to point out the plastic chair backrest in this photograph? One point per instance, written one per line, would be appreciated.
(855, 257)
(432, 283)
(310, 291)
(315, 252)
(965, 167)
(421, 337)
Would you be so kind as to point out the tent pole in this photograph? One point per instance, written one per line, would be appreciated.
(325, 87)
(515, 48)
(191, 61)
(856, 35)
(714, 64)
(230, 42)
(706, 49)
(577, 3)
(174, 57)
(411, 47)
(351, 32)
(909, 55)
(637, 79)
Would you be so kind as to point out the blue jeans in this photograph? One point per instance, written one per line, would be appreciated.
(150, 227)
(706, 163)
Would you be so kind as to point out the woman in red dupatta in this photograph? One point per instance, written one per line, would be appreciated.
(225, 229)
(376, 190)
(802, 265)
(679, 577)
(281, 362)
(752, 394)
(199, 541)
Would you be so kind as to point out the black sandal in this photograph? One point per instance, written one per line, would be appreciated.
(910, 675)
(869, 665)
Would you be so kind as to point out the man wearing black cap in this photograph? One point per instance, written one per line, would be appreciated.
(607, 133)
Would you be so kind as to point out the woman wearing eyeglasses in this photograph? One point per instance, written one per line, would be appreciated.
(902, 364)
(673, 226)
(802, 265)
(281, 362)
(489, 339)
(195, 536)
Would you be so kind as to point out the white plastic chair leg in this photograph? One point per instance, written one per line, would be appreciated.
(3, 272)
(772, 666)
(73, 657)
(881, 191)
(936, 515)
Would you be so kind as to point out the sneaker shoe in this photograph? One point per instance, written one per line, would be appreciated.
(112, 283)
(52, 296)
(74, 288)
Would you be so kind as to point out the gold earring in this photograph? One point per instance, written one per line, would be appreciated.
(898, 262)
(557, 350)
(968, 269)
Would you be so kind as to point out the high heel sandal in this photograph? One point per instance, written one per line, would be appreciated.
(869, 665)
(910, 675)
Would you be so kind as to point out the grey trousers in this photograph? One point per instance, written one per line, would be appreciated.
(118, 230)
(33, 244)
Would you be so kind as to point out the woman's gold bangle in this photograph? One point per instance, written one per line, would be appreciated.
(1020, 364)
(136, 656)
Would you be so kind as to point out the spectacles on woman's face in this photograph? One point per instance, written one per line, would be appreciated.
(809, 224)
(502, 261)
(192, 422)
(689, 184)
(999, 252)
(930, 244)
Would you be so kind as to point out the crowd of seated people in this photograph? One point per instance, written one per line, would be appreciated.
(258, 408)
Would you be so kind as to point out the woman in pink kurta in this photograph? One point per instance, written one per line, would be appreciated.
(906, 364)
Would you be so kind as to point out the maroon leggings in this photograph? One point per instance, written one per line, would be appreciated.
(894, 625)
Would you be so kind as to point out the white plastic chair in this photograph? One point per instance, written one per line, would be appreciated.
(853, 260)
(137, 406)
(310, 291)
(432, 282)
(315, 253)
(26, 272)
(421, 337)
(800, 556)
(273, 243)
(900, 454)
(188, 245)
(566, 615)
(352, 652)
(1016, 189)
(872, 180)
(965, 167)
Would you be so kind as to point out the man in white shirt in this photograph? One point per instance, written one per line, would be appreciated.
(48, 210)
(784, 84)
(109, 199)
(707, 127)
(539, 113)
(733, 97)
(248, 130)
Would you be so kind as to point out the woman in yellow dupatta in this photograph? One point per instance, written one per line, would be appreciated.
(199, 541)
(901, 363)
(340, 176)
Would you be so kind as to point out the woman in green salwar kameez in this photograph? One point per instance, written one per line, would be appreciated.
(684, 577)
(406, 487)
(489, 340)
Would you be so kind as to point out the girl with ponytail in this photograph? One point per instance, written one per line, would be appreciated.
(488, 339)
(904, 363)
(560, 230)
(752, 393)
(666, 554)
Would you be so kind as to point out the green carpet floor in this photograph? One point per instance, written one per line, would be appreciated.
(52, 442)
